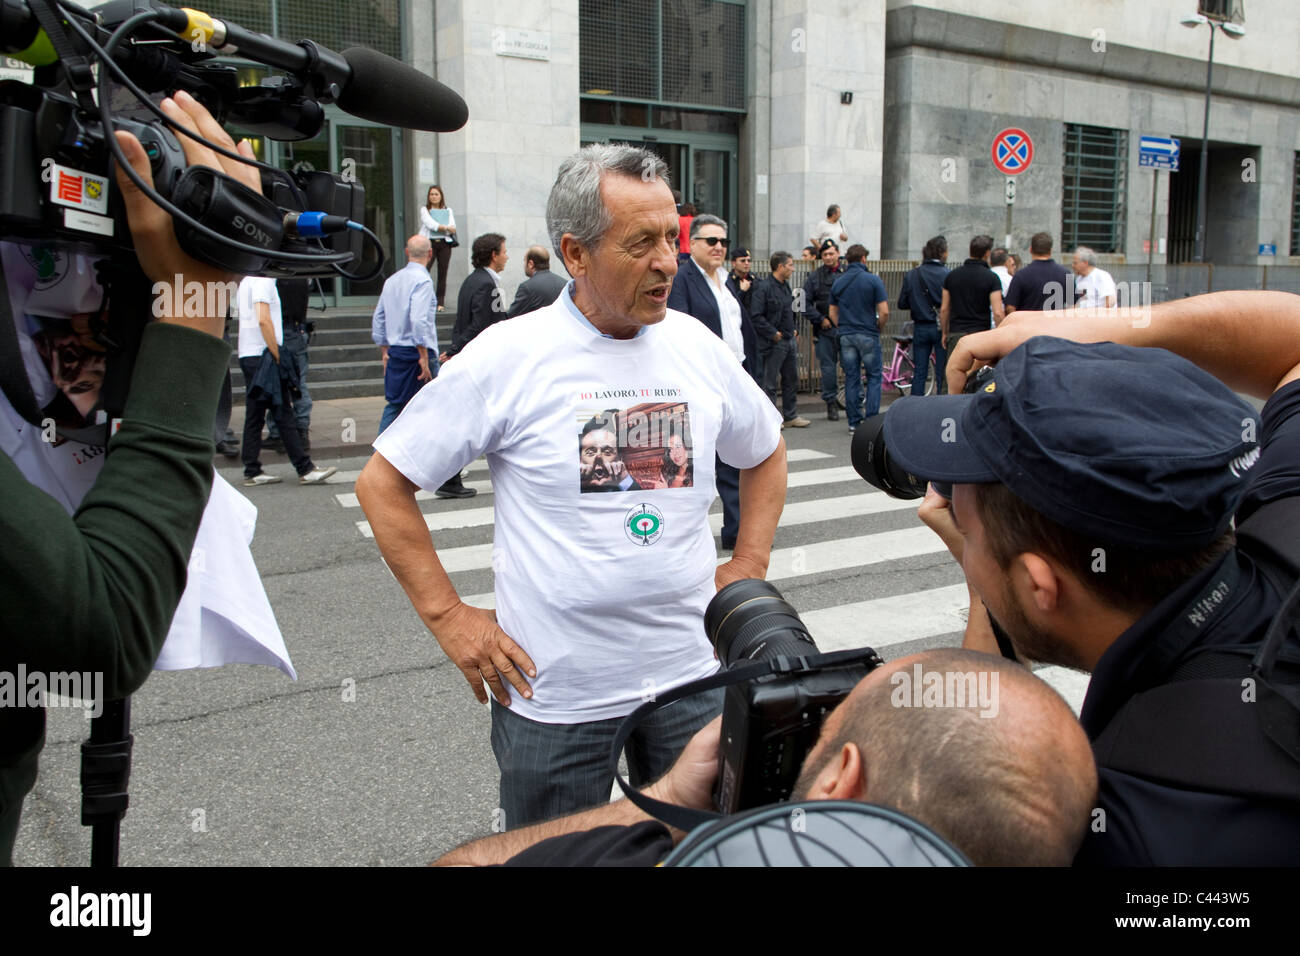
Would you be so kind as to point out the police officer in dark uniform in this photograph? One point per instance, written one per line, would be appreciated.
(817, 296)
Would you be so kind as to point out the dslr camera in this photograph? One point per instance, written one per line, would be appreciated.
(770, 722)
(871, 459)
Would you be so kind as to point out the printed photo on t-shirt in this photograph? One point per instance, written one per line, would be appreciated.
(58, 307)
(640, 448)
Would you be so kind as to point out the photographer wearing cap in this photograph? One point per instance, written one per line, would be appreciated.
(98, 590)
(1096, 480)
(1007, 785)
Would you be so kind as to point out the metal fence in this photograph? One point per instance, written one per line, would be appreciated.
(1167, 282)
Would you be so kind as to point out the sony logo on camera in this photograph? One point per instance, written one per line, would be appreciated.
(253, 231)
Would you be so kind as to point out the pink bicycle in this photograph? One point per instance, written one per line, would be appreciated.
(898, 374)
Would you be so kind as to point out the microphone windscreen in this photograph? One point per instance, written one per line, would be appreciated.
(389, 91)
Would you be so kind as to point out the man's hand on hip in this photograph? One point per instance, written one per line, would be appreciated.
(471, 637)
(738, 568)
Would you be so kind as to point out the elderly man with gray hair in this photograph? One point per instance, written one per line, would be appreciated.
(1094, 289)
(599, 597)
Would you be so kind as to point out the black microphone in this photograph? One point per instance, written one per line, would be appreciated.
(362, 81)
(391, 92)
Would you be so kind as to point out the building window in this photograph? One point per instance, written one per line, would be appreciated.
(1295, 209)
(1092, 212)
(687, 52)
(371, 23)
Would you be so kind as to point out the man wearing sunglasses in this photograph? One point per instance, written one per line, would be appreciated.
(701, 289)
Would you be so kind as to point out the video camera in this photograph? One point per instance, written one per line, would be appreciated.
(56, 168)
(101, 71)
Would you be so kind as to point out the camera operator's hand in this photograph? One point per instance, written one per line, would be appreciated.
(985, 348)
(935, 513)
(154, 238)
(690, 781)
(471, 637)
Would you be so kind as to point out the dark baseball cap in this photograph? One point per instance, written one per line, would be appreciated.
(1136, 446)
(740, 252)
(827, 244)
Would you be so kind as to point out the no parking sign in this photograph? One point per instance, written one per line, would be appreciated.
(1013, 151)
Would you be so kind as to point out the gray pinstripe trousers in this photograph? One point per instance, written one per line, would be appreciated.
(549, 770)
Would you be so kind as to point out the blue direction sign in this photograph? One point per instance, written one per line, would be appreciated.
(1158, 153)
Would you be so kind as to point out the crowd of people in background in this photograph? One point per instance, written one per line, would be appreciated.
(842, 300)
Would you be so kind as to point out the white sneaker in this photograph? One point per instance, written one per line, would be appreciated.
(261, 479)
(316, 477)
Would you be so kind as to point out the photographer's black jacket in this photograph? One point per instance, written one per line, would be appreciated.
(1148, 819)
(97, 591)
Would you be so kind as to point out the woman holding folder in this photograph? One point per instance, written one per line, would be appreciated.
(438, 225)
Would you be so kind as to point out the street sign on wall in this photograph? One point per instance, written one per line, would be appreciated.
(1158, 153)
(1012, 151)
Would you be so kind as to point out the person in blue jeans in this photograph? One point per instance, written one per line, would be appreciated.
(859, 308)
(921, 295)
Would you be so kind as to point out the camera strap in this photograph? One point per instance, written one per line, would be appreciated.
(686, 818)
(76, 68)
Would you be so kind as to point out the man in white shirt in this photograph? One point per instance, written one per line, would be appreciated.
(599, 596)
(261, 331)
(1094, 289)
(1003, 268)
(829, 228)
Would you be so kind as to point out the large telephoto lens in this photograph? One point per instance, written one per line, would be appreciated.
(871, 460)
(748, 620)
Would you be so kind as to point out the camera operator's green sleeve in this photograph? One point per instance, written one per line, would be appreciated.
(97, 592)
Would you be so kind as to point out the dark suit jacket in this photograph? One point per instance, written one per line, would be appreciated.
(477, 307)
(536, 293)
(691, 294)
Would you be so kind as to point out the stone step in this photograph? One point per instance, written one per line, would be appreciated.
(326, 391)
(340, 319)
(354, 336)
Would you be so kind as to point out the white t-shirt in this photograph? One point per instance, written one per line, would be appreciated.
(728, 311)
(604, 588)
(828, 230)
(1093, 289)
(1004, 277)
(252, 290)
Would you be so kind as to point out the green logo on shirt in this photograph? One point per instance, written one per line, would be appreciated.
(644, 525)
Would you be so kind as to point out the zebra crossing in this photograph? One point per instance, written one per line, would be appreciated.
(837, 536)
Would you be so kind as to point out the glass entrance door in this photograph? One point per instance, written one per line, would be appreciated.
(703, 166)
(711, 183)
(367, 153)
